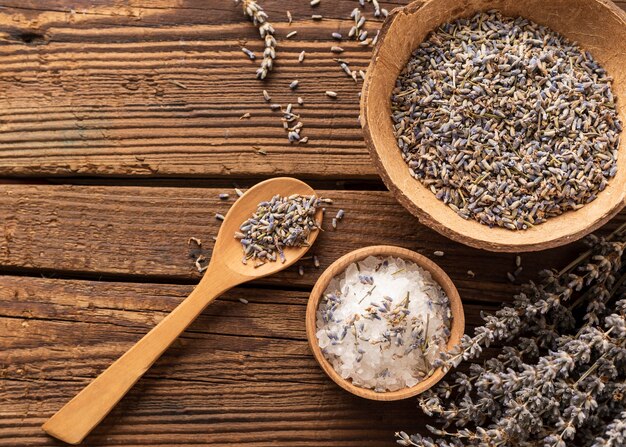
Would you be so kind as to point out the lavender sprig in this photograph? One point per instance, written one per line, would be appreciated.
(260, 19)
(535, 302)
(560, 378)
(615, 433)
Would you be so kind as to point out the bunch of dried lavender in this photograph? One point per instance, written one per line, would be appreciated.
(253, 10)
(560, 377)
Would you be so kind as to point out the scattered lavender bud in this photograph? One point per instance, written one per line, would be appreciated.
(294, 84)
(199, 260)
(248, 53)
(224, 196)
(219, 216)
(243, 301)
(375, 39)
(291, 34)
(197, 241)
(336, 36)
(331, 94)
(438, 253)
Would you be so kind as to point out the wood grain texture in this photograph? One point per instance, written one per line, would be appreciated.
(157, 90)
(143, 232)
(240, 375)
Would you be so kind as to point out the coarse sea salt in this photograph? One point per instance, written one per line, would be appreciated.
(383, 322)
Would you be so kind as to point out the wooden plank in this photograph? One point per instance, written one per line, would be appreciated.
(142, 231)
(241, 375)
(158, 90)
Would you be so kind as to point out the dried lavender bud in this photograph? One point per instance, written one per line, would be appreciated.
(197, 241)
(248, 53)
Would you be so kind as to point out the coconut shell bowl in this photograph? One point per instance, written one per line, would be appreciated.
(456, 329)
(598, 26)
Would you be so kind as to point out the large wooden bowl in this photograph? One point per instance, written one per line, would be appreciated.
(456, 329)
(597, 25)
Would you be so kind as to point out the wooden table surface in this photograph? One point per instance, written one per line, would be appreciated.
(119, 126)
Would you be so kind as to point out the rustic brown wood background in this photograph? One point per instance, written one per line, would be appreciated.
(119, 125)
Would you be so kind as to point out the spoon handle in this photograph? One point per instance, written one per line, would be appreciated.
(79, 416)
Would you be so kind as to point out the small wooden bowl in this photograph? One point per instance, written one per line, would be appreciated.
(599, 26)
(456, 330)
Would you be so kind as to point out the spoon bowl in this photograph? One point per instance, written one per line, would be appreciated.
(229, 248)
(79, 416)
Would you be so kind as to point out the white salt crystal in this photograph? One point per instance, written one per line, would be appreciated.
(382, 323)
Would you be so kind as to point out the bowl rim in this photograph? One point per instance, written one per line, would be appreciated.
(457, 327)
(557, 231)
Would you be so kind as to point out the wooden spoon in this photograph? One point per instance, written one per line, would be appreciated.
(81, 414)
